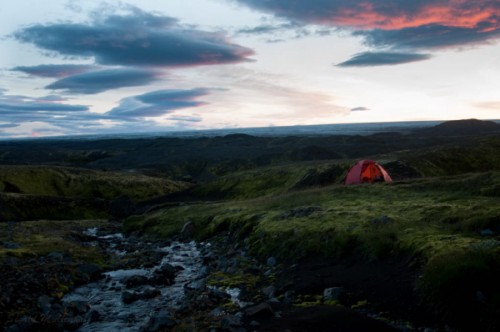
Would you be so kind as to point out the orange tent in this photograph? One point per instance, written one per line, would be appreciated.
(366, 171)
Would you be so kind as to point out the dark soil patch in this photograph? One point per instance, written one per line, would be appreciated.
(324, 318)
(387, 285)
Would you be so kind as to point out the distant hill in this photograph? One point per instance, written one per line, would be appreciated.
(460, 128)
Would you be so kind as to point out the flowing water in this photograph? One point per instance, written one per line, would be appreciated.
(105, 296)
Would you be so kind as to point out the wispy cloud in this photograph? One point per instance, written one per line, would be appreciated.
(18, 105)
(382, 58)
(57, 71)
(102, 80)
(395, 25)
(428, 37)
(385, 15)
(8, 125)
(492, 105)
(158, 103)
(185, 118)
(137, 38)
(359, 109)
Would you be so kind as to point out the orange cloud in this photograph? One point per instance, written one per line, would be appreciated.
(453, 14)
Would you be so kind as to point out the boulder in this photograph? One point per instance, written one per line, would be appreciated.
(150, 293)
(230, 321)
(129, 297)
(135, 281)
(269, 291)
(160, 321)
(94, 316)
(25, 323)
(92, 271)
(78, 307)
(197, 285)
(188, 230)
(382, 220)
(55, 256)
(300, 212)
(261, 310)
(11, 245)
(45, 303)
(333, 293)
(486, 232)
(271, 261)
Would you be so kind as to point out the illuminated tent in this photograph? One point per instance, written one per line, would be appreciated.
(366, 171)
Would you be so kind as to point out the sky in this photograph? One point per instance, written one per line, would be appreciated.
(98, 67)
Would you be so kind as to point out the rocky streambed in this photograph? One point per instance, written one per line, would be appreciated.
(188, 286)
(141, 298)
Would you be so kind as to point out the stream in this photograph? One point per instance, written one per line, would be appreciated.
(137, 299)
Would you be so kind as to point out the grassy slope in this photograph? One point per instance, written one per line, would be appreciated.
(38, 238)
(59, 193)
(438, 220)
(73, 182)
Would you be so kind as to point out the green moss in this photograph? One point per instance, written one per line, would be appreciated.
(463, 283)
(74, 182)
(438, 221)
(235, 280)
(421, 218)
(38, 238)
(360, 304)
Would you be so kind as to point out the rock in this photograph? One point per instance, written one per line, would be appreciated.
(300, 212)
(197, 285)
(269, 291)
(78, 307)
(93, 271)
(203, 301)
(25, 323)
(129, 297)
(208, 258)
(152, 259)
(150, 293)
(188, 230)
(230, 321)
(382, 220)
(219, 294)
(217, 312)
(160, 321)
(486, 244)
(55, 256)
(203, 271)
(268, 273)
(333, 293)
(480, 297)
(289, 296)
(72, 323)
(254, 323)
(57, 310)
(11, 261)
(271, 261)
(167, 271)
(165, 275)
(11, 245)
(261, 310)
(94, 316)
(45, 303)
(135, 281)
(486, 232)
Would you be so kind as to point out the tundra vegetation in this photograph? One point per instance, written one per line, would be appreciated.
(283, 198)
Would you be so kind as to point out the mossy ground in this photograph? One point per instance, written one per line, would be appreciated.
(442, 222)
(75, 182)
(448, 220)
(41, 237)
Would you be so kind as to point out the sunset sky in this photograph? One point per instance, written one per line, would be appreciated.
(88, 67)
